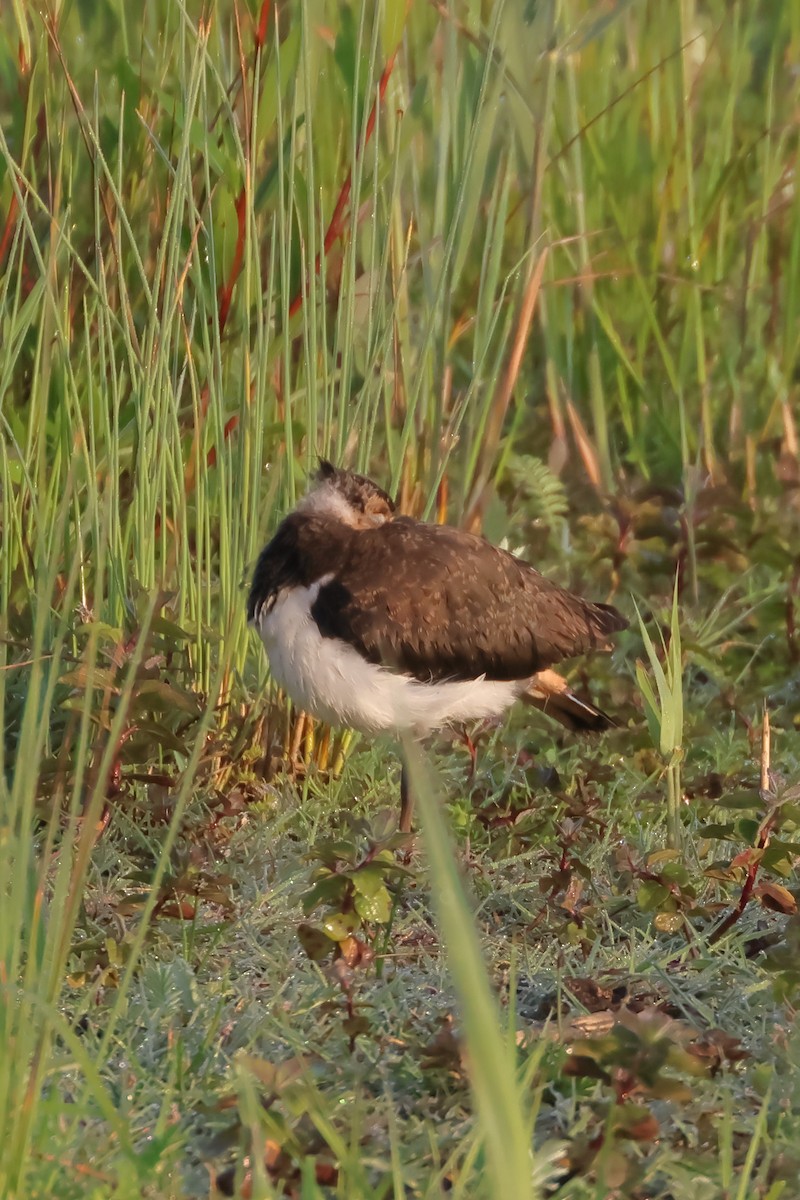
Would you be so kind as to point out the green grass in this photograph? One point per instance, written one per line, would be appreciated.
(557, 299)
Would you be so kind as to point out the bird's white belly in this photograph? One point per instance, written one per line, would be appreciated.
(329, 679)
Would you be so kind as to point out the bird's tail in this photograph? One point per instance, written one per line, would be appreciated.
(550, 693)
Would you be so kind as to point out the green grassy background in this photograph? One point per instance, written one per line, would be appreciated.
(556, 297)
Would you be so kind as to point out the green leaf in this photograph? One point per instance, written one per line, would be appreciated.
(651, 709)
(339, 926)
(99, 678)
(747, 829)
(675, 872)
(314, 941)
(393, 20)
(741, 798)
(170, 630)
(668, 922)
(329, 890)
(667, 710)
(375, 908)
(725, 832)
(651, 895)
(369, 880)
(668, 855)
(160, 694)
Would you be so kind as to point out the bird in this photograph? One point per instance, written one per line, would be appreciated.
(382, 623)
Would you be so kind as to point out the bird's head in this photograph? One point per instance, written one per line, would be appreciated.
(347, 497)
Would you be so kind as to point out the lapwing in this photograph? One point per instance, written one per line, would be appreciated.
(385, 624)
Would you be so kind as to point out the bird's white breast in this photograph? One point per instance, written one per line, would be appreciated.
(329, 678)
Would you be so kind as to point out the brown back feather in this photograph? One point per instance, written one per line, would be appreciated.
(440, 603)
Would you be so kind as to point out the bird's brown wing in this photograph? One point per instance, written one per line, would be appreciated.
(440, 603)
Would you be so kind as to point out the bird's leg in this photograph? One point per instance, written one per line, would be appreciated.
(406, 801)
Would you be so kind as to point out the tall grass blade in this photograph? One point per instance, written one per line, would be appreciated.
(663, 707)
(492, 1059)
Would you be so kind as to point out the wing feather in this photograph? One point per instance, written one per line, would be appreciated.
(440, 603)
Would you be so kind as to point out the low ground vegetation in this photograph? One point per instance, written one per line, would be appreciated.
(537, 272)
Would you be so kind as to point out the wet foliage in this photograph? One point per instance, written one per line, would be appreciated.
(291, 987)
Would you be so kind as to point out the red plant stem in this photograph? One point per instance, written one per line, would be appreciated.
(747, 887)
(335, 228)
(8, 230)
(263, 21)
(333, 232)
(336, 225)
(230, 425)
(225, 292)
(41, 133)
